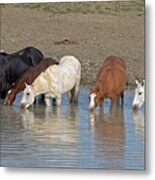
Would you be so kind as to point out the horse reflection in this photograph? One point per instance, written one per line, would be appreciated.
(138, 117)
(50, 124)
(109, 131)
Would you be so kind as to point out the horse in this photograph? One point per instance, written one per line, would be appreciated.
(54, 82)
(110, 83)
(139, 96)
(28, 77)
(13, 65)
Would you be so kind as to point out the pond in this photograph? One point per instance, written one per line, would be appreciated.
(72, 137)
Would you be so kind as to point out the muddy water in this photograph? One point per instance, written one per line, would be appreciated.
(72, 137)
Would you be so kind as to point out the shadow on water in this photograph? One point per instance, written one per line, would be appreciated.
(72, 137)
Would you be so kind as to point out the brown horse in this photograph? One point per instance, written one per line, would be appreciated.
(111, 81)
(28, 77)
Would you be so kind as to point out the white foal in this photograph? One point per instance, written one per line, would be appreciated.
(54, 82)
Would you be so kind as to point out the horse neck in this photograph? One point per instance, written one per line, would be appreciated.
(38, 88)
(98, 88)
(102, 81)
(17, 88)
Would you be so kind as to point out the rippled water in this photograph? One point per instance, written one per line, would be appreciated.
(72, 137)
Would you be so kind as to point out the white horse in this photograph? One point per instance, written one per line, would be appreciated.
(139, 97)
(54, 82)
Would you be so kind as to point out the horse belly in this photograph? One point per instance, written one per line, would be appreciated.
(120, 82)
(60, 82)
(65, 75)
(113, 84)
(69, 81)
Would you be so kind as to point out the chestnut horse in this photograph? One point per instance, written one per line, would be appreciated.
(111, 81)
(28, 77)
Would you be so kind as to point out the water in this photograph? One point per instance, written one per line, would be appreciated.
(71, 137)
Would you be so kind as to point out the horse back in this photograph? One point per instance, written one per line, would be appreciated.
(112, 76)
(33, 72)
(30, 55)
(64, 76)
(70, 62)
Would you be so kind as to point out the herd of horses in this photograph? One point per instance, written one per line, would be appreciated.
(29, 71)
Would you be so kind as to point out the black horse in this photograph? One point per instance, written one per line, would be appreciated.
(12, 66)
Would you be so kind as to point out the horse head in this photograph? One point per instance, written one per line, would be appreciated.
(94, 98)
(11, 95)
(139, 97)
(28, 97)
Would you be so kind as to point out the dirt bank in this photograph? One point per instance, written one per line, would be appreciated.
(91, 36)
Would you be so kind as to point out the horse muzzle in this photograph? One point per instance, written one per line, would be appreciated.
(7, 102)
(90, 108)
(22, 105)
(134, 107)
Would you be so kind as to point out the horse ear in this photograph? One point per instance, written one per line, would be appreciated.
(26, 85)
(32, 84)
(13, 85)
(143, 82)
(91, 90)
(137, 82)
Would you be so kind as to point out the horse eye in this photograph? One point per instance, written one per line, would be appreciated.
(28, 94)
(139, 93)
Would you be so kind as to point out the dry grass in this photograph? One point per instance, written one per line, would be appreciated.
(112, 7)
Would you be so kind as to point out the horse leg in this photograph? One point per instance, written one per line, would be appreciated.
(122, 97)
(58, 100)
(53, 101)
(117, 100)
(47, 99)
(71, 94)
(112, 102)
(35, 100)
(77, 88)
(101, 102)
(42, 99)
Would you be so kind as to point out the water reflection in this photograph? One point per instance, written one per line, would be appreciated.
(51, 125)
(70, 136)
(138, 118)
(109, 130)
